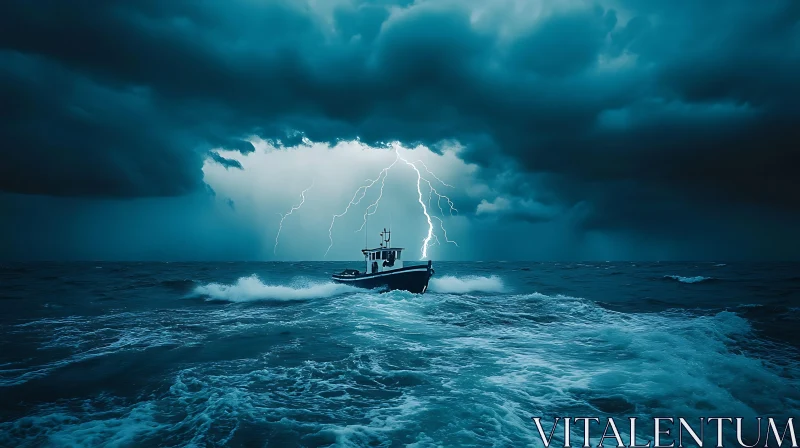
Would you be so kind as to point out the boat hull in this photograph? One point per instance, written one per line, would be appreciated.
(413, 279)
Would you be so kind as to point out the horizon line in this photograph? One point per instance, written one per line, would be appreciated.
(406, 261)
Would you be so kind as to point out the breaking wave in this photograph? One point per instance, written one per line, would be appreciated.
(463, 285)
(468, 368)
(249, 289)
(695, 279)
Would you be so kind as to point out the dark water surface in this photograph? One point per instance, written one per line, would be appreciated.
(257, 354)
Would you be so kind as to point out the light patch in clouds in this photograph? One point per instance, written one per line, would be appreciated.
(272, 178)
(517, 208)
(488, 208)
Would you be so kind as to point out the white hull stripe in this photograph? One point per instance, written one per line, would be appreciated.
(386, 274)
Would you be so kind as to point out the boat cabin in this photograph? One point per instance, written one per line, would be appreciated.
(383, 258)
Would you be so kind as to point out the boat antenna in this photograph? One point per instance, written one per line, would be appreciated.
(366, 232)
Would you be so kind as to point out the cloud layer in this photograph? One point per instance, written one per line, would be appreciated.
(643, 116)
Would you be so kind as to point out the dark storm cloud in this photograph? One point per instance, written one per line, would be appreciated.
(63, 134)
(683, 102)
(227, 163)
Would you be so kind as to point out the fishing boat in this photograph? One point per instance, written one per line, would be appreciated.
(384, 270)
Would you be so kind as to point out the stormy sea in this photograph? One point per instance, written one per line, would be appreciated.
(274, 354)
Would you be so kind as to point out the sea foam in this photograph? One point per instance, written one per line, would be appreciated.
(463, 285)
(695, 279)
(248, 289)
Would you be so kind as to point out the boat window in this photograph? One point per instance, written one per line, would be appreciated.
(398, 254)
(384, 255)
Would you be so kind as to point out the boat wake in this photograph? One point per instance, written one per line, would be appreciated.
(250, 289)
(464, 285)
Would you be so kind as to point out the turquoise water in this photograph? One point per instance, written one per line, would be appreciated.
(272, 354)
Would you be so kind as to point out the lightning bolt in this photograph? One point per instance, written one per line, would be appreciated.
(444, 231)
(296, 207)
(373, 208)
(439, 196)
(431, 173)
(363, 191)
(374, 205)
(426, 242)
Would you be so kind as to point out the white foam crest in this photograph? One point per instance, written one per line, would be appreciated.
(58, 427)
(214, 399)
(463, 285)
(695, 279)
(248, 289)
(369, 310)
(662, 362)
(384, 421)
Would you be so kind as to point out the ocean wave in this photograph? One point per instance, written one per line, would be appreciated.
(372, 370)
(249, 289)
(695, 279)
(178, 285)
(58, 426)
(696, 359)
(80, 338)
(214, 404)
(463, 285)
(369, 369)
